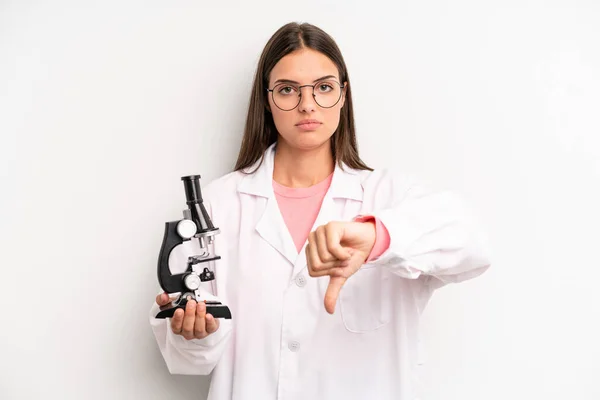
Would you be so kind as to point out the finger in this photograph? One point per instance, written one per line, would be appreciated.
(177, 321)
(325, 272)
(199, 326)
(322, 269)
(212, 324)
(328, 268)
(335, 268)
(333, 235)
(312, 258)
(162, 299)
(189, 319)
(333, 291)
(322, 250)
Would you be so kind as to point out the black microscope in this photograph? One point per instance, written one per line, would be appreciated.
(191, 284)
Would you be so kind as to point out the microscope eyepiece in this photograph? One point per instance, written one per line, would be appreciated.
(194, 201)
(193, 194)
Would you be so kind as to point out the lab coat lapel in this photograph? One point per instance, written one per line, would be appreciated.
(271, 225)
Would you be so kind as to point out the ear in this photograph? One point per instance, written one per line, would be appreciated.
(344, 94)
(267, 105)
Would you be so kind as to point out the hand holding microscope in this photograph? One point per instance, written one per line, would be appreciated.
(198, 281)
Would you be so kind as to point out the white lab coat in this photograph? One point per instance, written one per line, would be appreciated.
(281, 343)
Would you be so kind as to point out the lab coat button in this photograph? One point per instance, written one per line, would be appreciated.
(300, 280)
(294, 346)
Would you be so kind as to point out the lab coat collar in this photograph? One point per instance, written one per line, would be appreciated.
(345, 182)
(271, 226)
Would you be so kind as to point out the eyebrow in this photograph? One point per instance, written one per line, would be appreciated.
(297, 83)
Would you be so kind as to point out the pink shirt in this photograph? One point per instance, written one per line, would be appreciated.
(300, 208)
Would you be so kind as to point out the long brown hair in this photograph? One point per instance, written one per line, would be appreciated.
(260, 131)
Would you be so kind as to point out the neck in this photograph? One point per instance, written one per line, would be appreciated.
(302, 168)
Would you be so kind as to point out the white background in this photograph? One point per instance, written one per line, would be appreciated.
(104, 107)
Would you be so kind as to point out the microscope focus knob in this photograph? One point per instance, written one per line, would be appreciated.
(192, 281)
(186, 228)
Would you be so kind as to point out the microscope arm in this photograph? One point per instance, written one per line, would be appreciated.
(169, 283)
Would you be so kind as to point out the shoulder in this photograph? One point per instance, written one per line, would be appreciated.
(413, 193)
(220, 197)
(386, 187)
(387, 183)
(221, 189)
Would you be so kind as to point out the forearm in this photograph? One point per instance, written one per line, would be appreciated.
(430, 234)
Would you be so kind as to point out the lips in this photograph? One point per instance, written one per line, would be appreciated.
(308, 124)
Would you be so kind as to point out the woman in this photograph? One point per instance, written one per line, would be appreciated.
(326, 264)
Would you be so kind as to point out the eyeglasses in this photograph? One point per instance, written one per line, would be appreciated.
(286, 96)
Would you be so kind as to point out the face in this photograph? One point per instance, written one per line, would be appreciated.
(313, 121)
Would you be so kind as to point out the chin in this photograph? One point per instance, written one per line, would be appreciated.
(309, 141)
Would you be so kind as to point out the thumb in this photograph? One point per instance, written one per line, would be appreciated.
(160, 299)
(333, 291)
(163, 299)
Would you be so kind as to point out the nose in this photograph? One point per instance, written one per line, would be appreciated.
(307, 101)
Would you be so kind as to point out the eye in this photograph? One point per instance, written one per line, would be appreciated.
(324, 87)
(286, 90)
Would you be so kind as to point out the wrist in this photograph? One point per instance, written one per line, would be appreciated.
(368, 227)
(381, 237)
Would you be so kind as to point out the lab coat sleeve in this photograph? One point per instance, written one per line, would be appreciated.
(432, 233)
(189, 357)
